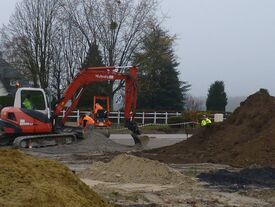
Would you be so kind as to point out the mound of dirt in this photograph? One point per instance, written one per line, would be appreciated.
(27, 181)
(131, 169)
(246, 138)
(93, 143)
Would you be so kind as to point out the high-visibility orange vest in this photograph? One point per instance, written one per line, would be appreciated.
(89, 120)
(98, 107)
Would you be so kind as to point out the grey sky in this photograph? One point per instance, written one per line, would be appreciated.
(229, 40)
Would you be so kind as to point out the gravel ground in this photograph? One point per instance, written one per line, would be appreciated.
(80, 156)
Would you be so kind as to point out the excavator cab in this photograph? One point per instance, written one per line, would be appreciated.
(29, 115)
(32, 99)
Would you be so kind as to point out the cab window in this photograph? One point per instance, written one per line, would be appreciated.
(32, 100)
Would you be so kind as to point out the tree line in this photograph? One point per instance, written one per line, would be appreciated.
(49, 41)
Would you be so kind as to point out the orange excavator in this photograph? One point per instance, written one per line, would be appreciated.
(30, 122)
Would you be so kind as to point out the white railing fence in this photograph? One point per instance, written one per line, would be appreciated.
(118, 116)
(142, 118)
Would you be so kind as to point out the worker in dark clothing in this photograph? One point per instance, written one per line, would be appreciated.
(97, 107)
(99, 112)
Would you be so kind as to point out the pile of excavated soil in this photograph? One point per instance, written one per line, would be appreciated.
(246, 138)
(131, 169)
(28, 181)
(94, 142)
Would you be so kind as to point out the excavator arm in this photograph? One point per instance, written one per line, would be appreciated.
(92, 75)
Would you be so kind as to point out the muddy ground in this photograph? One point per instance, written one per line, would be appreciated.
(207, 186)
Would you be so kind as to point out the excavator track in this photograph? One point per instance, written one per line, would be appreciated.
(44, 140)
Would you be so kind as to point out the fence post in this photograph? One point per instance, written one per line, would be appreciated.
(177, 114)
(118, 118)
(143, 117)
(63, 114)
(166, 118)
(77, 116)
(155, 117)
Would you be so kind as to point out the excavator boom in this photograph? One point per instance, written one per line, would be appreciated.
(91, 75)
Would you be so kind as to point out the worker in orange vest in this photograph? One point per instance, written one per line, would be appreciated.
(86, 121)
(97, 107)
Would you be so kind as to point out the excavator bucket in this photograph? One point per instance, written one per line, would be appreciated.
(140, 140)
(104, 131)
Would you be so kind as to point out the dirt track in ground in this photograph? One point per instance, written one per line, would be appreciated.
(140, 186)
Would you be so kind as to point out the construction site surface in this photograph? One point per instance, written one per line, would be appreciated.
(227, 164)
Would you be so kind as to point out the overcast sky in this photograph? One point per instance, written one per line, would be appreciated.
(229, 40)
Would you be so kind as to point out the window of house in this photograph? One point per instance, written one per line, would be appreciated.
(13, 82)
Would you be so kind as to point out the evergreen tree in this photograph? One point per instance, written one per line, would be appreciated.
(216, 98)
(159, 85)
(94, 59)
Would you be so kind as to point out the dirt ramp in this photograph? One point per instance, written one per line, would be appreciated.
(101, 143)
(246, 138)
(131, 169)
(93, 143)
(27, 181)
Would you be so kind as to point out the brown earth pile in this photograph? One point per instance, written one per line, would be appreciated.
(27, 181)
(131, 169)
(94, 143)
(246, 138)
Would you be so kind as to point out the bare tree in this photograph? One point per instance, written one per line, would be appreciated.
(118, 27)
(49, 40)
(193, 104)
(69, 51)
(28, 37)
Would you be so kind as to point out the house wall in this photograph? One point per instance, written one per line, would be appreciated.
(3, 91)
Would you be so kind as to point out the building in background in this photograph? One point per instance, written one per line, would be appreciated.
(8, 78)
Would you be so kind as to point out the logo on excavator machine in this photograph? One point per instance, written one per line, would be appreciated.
(105, 76)
(23, 122)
